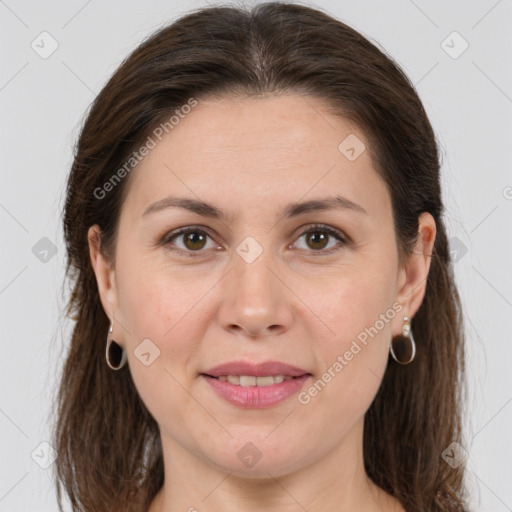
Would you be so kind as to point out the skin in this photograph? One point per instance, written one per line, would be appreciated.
(292, 304)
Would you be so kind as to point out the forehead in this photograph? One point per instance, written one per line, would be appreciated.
(247, 150)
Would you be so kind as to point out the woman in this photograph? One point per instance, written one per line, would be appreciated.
(266, 316)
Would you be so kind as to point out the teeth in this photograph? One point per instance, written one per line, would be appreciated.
(250, 380)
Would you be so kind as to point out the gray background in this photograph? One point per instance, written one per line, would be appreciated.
(468, 98)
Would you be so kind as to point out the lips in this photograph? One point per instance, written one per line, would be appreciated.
(255, 369)
(256, 397)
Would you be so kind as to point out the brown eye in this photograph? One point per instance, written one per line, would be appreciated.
(318, 238)
(191, 240)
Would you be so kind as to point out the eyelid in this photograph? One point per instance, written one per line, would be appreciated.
(331, 231)
(324, 228)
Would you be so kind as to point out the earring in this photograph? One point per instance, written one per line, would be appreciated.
(114, 352)
(403, 347)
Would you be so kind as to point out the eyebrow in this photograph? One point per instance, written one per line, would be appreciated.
(291, 210)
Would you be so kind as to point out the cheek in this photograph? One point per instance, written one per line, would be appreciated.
(155, 302)
(162, 335)
(354, 353)
(166, 322)
(355, 302)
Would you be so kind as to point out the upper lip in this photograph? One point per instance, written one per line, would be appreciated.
(255, 369)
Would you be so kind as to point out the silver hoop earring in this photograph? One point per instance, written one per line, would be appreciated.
(403, 347)
(114, 352)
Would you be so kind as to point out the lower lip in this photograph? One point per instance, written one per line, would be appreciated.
(256, 397)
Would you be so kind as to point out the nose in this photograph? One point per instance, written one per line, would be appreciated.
(255, 300)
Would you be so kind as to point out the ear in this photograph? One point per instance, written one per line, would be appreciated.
(412, 280)
(104, 271)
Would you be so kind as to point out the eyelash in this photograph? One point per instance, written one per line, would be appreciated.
(321, 228)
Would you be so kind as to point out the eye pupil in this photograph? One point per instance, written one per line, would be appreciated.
(316, 237)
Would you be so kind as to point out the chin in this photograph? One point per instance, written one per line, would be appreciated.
(260, 459)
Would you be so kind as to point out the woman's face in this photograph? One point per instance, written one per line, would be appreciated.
(260, 280)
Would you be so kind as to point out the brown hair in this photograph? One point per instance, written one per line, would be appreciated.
(108, 444)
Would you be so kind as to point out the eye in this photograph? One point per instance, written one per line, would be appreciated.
(194, 239)
(317, 239)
